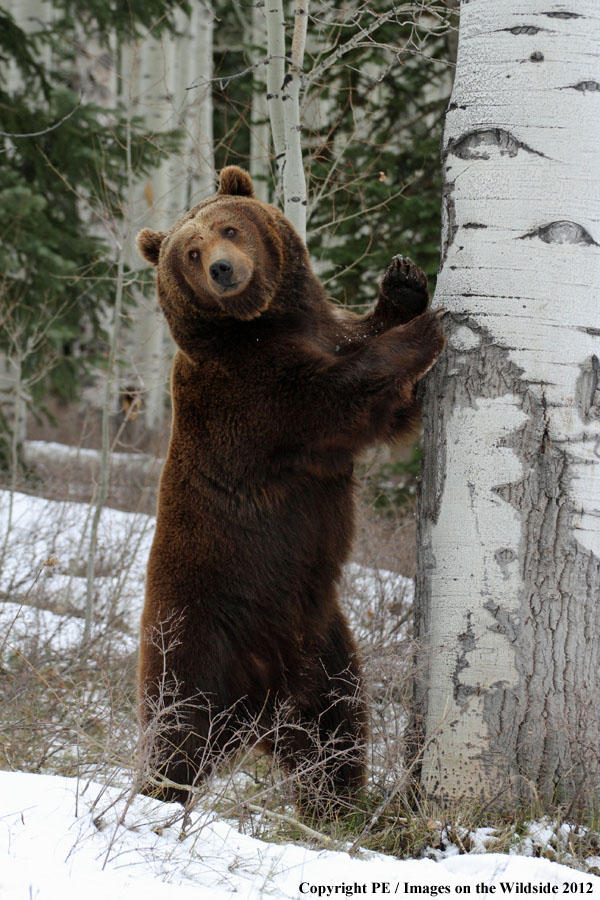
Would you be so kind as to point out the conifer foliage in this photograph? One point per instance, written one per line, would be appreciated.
(62, 183)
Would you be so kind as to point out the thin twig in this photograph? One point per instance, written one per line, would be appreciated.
(56, 125)
(323, 839)
(223, 80)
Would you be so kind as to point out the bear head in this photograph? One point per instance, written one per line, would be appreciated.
(226, 257)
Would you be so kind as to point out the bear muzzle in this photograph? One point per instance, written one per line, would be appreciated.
(227, 275)
(221, 271)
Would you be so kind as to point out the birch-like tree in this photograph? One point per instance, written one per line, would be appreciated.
(284, 85)
(156, 70)
(508, 596)
(301, 64)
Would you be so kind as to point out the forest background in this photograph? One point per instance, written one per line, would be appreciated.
(118, 116)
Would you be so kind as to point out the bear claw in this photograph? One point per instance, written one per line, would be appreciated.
(409, 272)
(404, 284)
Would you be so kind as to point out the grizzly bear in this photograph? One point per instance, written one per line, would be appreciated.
(275, 391)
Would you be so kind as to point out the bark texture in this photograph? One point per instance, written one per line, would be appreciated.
(507, 611)
(156, 75)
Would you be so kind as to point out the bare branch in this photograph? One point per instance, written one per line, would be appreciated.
(56, 125)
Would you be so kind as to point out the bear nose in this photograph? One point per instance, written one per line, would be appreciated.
(221, 271)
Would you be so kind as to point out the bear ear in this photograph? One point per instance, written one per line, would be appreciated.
(148, 243)
(236, 182)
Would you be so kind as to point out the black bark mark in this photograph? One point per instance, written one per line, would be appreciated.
(523, 29)
(583, 86)
(480, 143)
(545, 728)
(561, 232)
(449, 226)
(562, 15)
(587, 396)
(466, 644)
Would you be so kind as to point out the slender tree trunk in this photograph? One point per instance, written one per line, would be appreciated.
(17, 436)
(154, 100)
(108, 405)
(294, 179)
(507, 609)
(275, 75)
(179, 50)
(260, 132)
(202, 180)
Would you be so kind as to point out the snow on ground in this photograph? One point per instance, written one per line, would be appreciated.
(62, 840)
(34, 451)
(41, 530)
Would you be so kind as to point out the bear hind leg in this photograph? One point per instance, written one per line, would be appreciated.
(322, 743)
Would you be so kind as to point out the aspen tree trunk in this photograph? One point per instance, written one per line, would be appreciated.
(260, 133)
(154, 94)
(154, 80)
(178, 52)
(508, 588)
(283, 100)
(294, 179)
(199, 113)
(123, 243)
(275, 75)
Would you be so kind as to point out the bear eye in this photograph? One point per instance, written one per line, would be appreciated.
(230, 231)
(194, 255)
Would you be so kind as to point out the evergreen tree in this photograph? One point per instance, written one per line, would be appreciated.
(61, 190)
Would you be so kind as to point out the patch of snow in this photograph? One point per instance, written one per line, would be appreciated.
(52, 451)
(22, 625)
(61, 839)
(41, 529)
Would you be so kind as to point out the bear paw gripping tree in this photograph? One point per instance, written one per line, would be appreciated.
(274, 391)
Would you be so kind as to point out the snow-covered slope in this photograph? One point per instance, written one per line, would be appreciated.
(64, 840)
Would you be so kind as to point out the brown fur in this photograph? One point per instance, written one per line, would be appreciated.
(274, 390)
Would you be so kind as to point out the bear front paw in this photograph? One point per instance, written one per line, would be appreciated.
(403, 293)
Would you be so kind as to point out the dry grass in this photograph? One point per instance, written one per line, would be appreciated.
(71, 710)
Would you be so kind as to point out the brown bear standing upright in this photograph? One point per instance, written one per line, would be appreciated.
(275, 390)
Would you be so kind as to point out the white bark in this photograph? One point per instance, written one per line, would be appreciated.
(294, 179)
(147, 81)
(509, 524)
(199, 112)
(177, 52)
(33, 17)
(275, 76)
(260, 132)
